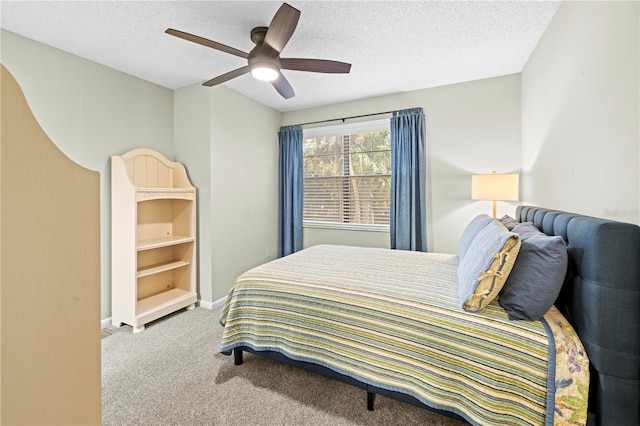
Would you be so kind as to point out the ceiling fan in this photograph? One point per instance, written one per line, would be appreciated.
(264, 62)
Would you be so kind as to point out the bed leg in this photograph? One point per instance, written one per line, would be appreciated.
(371, 397)
(237, 356)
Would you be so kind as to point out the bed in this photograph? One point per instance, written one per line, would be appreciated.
(397, 323)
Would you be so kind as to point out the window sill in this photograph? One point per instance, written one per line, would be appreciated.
(346, 226)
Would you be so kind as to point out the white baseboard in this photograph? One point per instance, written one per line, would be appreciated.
(212, 305)
(202, 303)
(105, 323)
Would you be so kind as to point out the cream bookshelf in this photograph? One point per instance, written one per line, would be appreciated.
(153, 228)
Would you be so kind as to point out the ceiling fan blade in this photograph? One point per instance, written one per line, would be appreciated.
(206, 42)
(226, 77)
(315, 65)
(283, 87)
(281, 28)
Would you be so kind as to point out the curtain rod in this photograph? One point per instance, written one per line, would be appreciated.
(347, 118)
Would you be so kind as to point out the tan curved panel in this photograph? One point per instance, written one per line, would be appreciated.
(49, 275)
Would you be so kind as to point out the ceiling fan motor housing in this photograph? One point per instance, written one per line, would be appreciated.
(262, 66)
(258, 33)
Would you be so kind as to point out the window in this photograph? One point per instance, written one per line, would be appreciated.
(347, 175)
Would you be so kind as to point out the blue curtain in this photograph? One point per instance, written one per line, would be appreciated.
(408, 207)
(290, 190)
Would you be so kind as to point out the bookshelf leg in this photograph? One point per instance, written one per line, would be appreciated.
(191, 306)
(138, 329)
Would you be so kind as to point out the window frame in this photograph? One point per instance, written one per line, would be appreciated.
(347, 129)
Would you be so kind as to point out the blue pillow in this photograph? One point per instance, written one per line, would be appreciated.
(470, 232)
(537, 276)
(509, 222)
(486, 265)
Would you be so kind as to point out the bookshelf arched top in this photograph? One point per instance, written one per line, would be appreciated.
(147, 168)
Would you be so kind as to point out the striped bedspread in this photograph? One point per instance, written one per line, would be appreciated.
(392, 319)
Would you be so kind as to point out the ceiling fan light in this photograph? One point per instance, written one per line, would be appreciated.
(264, 71)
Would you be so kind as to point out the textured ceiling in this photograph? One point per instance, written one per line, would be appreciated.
(393, 46)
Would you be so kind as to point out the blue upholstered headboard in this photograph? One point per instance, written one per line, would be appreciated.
(601, 298)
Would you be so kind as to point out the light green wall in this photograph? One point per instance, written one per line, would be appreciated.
(244, 201)
(347, 237)
(472, 128)
(90, 112)
(192, 142)
(580, 109)
(230, 144)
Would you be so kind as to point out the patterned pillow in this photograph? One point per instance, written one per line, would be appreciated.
(484, 269)
(470, 232)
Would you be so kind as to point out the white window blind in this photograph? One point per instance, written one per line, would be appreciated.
(347, 175)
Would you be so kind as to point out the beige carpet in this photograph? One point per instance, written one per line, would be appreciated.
(172, 374)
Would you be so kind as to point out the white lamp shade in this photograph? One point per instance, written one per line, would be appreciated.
(495, 186)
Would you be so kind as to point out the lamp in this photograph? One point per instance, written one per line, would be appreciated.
(494, 187)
